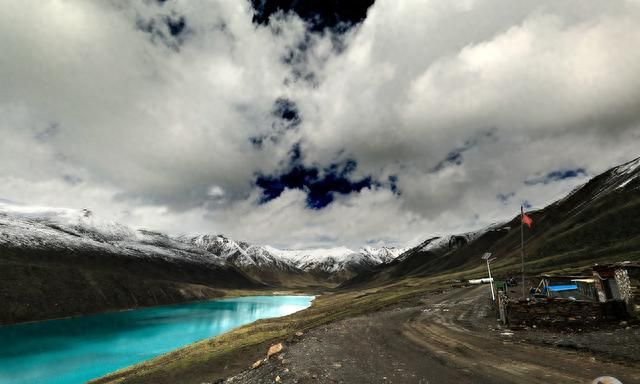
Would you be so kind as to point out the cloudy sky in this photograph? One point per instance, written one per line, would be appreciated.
(282, 123)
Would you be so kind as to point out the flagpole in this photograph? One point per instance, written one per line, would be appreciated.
(522, 247)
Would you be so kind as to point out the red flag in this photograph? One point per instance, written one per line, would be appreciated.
(527, 220)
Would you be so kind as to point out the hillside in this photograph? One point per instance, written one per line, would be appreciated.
(56, 263)
(597, 222)
(59, 262)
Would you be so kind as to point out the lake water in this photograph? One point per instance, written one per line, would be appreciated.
(79, 349)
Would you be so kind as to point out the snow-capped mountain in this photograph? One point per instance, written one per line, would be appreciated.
(63, 262)
(48, 228)
(337, 261)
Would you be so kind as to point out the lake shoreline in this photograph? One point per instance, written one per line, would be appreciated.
(225, 295)
(84, 348)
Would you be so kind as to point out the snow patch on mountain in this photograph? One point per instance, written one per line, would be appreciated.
(628, 168)
(75, 229)
(452, 241)
(383, 254)
(46, 228)
(324, 259)
(74, 222)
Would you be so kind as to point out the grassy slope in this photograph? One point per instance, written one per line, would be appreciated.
(37, 285)
(567, 236)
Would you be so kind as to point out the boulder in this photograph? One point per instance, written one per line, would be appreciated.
(274, 349)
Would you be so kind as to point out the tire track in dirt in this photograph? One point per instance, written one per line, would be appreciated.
(461, 327)
(450, 337)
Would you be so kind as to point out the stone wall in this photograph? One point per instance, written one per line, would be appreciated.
(564, 312)
(624, 284)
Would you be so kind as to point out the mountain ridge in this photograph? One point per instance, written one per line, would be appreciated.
(598, 221)
(50, 229)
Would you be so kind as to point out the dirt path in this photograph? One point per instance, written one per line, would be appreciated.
(448, 338)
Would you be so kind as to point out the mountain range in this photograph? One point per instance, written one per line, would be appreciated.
(323, 264)
(84, 263)
(58, 262)
(48, 228)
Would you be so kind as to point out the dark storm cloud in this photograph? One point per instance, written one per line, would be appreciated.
(319, 184)
(336, 15)
(286, 118)
(393, 184)
(287, 110)
(333, 16)
(176, 25)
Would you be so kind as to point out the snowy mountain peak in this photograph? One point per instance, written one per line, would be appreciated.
(42, 222)
(318, 259)
(383, 254)
(623, 175)
(62, 228)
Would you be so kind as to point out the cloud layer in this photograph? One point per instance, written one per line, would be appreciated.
(424, 118)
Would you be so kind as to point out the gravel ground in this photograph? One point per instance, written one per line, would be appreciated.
(615, 343)
(451, 337)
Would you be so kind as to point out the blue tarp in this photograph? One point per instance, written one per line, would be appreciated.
(558, 288)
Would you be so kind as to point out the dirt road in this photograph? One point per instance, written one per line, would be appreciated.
(447, 338)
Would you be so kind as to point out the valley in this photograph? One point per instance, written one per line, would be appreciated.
(391, 299)
(61, 262)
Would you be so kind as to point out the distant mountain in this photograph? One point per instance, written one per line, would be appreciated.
(59, 262)
(278, 266)
(597, 222)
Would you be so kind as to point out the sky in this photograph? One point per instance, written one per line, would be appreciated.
(314, 124)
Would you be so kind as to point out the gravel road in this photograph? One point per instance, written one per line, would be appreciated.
(451, 337)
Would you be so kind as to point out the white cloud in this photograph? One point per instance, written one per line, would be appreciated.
(96, 112)
(215, 191)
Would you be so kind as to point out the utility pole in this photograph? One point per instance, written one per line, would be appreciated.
(486, 257)
(522, 247)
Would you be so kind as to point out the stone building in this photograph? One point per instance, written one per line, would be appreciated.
(618, 281)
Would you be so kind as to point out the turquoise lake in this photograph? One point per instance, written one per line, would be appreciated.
(78, 349)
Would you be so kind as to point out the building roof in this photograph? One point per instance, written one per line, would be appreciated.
(589, 281)
(565, 277)
(560, 288)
